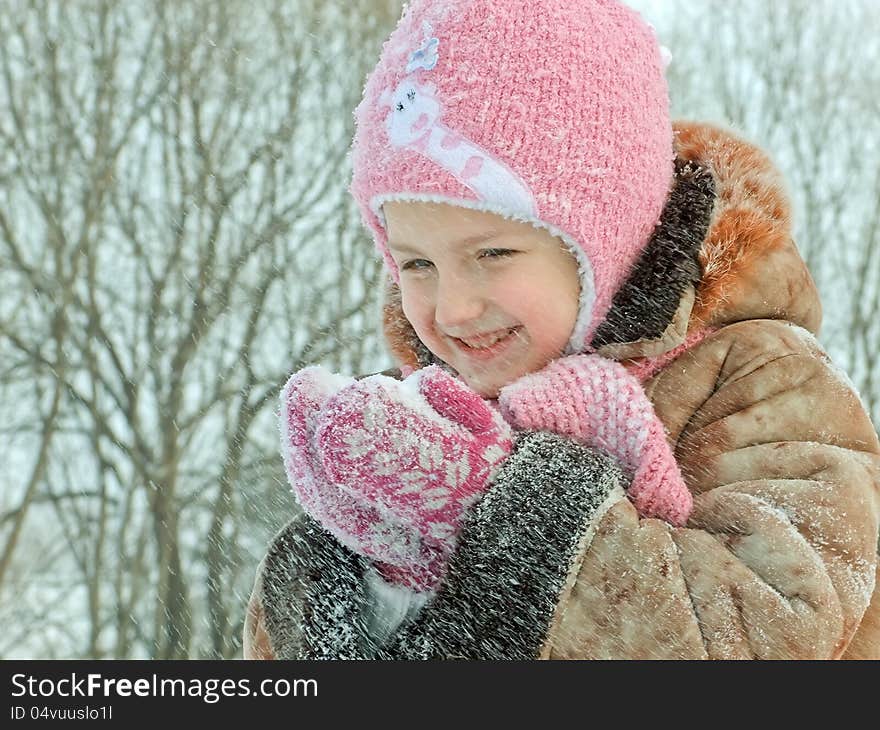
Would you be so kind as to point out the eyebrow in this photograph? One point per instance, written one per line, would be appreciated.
(467, 241)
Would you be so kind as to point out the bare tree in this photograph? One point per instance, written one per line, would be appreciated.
(175, 238)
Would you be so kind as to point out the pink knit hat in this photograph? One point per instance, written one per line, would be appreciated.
(553, 112)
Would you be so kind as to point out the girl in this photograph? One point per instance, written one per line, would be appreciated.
(665, 464)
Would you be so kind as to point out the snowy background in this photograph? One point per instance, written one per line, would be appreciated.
(176, 238)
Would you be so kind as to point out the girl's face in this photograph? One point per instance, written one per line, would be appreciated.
(494, 298)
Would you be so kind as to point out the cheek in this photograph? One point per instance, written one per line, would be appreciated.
(547, 308)
(418, 308)
(528, 303)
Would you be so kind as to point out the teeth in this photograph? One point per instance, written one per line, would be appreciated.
(484, 345)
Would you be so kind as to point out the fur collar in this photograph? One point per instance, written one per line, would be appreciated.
(751, 266)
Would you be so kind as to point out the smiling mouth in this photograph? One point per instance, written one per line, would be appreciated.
(489, 343)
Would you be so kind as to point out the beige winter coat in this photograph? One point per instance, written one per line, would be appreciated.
(779, 558)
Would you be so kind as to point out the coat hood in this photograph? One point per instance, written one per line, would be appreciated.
(721, 253)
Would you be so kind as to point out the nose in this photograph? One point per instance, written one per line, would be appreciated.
(459, 304)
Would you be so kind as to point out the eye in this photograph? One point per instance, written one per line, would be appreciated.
(416, 265)
(496, 253)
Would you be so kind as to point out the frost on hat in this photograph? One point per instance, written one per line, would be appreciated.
(553, 112)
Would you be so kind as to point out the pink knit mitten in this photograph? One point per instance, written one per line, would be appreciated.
(396, 548)
(598, 402)
(302, 399)
(419, 452)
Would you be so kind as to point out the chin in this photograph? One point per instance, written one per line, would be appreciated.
(483, 387)
(490, 393)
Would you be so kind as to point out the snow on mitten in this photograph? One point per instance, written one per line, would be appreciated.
(340, 513)
(598, 402)
(302, 398)
(419, 451)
